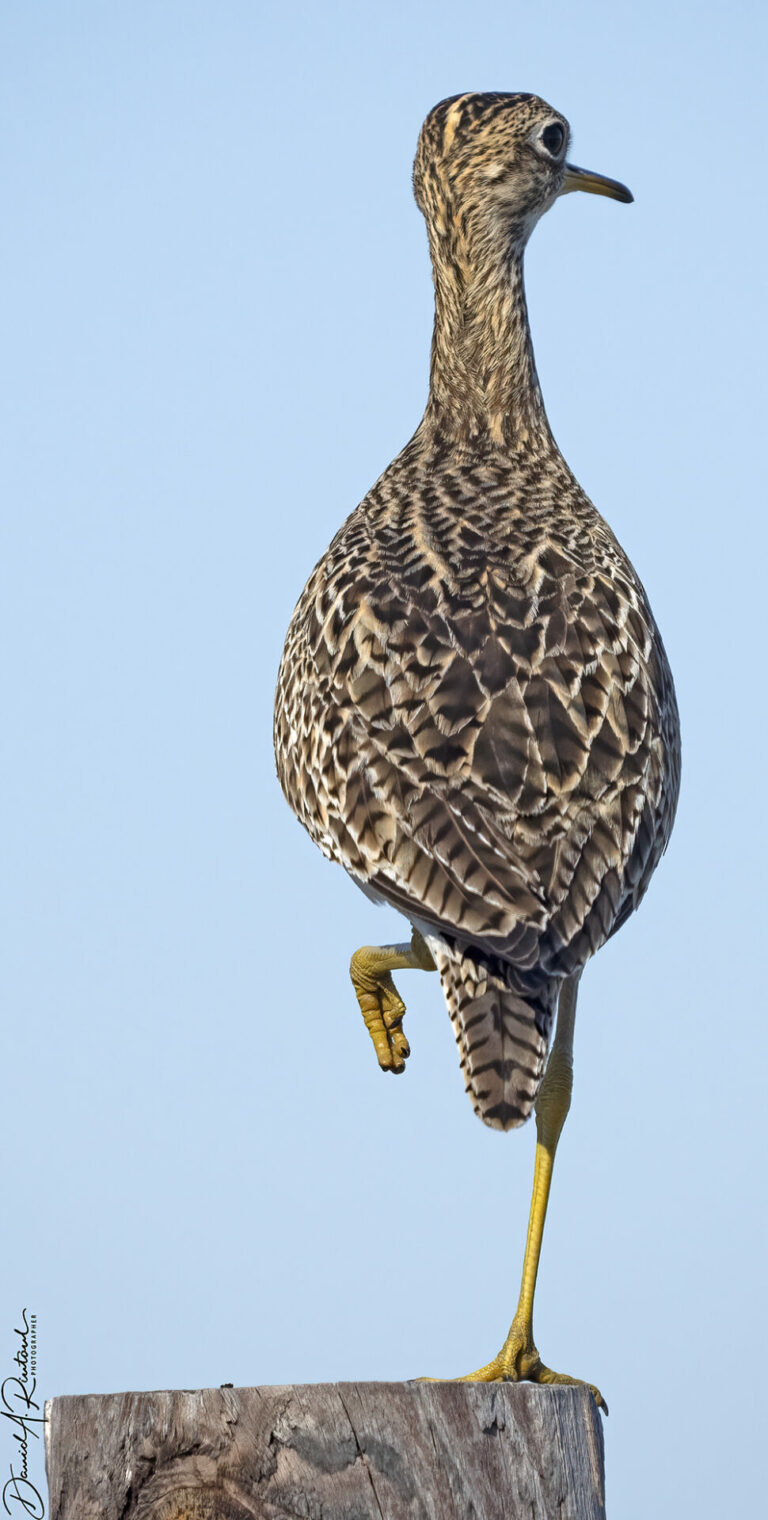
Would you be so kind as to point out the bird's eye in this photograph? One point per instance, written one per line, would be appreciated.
(553, 138)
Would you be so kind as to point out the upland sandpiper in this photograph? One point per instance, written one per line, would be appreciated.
(475, 715)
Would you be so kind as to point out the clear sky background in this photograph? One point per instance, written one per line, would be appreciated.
(216, 311)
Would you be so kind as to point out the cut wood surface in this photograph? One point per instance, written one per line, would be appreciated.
(328, 1451)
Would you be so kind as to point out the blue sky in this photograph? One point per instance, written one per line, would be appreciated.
(215, 325)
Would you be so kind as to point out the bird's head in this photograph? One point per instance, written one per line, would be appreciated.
(488, 166)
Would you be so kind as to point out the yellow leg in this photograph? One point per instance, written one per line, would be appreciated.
(380, 1002)
(519, 1359)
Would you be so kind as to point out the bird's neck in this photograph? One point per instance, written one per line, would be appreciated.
(484, 391)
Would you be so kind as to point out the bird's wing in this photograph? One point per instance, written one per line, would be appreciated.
(489, 762)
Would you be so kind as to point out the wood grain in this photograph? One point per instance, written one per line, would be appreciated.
(328, 1451)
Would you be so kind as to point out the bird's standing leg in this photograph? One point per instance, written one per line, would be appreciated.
(519, 1360)
(380, 1002)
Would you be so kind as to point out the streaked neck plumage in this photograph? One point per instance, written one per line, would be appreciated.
(484, 390)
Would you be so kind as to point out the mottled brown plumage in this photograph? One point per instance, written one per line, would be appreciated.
(475, 715)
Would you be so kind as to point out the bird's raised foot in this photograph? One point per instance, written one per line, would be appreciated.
(382, 1008)
(519, 1362)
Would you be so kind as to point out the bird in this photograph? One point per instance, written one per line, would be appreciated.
(475, 714)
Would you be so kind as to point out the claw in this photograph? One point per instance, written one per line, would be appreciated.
(519, 1362)
(383, 1010)
(380, 1002)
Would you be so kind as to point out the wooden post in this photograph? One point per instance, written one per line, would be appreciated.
(340, 1451)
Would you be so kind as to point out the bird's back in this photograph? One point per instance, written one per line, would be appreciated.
(475, 716)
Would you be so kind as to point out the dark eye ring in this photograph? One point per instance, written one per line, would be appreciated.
(553, 138)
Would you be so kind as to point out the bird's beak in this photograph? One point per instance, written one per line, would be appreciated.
(596, 184)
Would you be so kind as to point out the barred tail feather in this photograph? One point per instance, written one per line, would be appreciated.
(502, 1031)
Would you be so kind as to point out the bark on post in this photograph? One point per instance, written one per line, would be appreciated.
(340, 1451)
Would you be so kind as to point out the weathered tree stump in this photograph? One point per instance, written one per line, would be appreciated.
(328, 1451)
